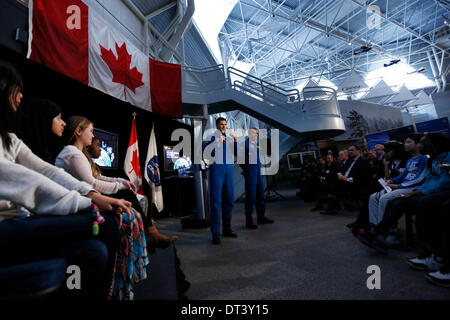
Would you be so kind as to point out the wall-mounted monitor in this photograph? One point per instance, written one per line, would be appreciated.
(109, 143)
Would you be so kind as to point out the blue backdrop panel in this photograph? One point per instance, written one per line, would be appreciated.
(400, 134)
(376, 138)
(437, 125)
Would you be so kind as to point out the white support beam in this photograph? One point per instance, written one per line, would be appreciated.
(161, 10)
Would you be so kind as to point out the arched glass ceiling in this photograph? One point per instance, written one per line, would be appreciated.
(288, 41)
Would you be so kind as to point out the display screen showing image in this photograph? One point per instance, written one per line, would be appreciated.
(173, 160)
(108, 149)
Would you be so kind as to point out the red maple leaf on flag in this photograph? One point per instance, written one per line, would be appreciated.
(120, 68)
(135, 164)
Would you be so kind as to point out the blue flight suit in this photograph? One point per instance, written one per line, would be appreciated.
(221, 189)
(254, 183)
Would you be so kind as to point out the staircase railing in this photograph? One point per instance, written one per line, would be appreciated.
(320, 101)
(312, 101)
(266, 91)
(203, 80)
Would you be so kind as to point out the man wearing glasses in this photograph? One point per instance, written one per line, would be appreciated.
(379, 148)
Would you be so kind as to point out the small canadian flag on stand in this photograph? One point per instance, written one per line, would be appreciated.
(131, 166)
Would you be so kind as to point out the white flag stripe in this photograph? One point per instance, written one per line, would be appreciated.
(157, 196)
(129, 170)
(100, 75)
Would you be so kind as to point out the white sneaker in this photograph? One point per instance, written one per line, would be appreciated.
(430, 263)
(440, 278)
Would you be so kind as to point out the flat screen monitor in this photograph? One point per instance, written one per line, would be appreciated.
(308, 156)
(294, 161)
(173, 161)
(108, 149)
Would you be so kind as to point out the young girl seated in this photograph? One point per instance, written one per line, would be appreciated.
(44, 210)
(74, 159)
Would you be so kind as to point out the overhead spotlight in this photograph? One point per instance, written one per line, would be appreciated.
(349, 43)
(362, 49)
(392, 62)
(420, 70)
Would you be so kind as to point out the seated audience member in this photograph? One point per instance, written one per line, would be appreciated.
(42, 128)
(376, 166)
(394, 162)
(437, 180)
(354, 180)
(342, 160)
(395, 157)
(365, 154)
(379, 149)
(328, 180)
(45, 212)
(406, 182)
(76, 160)
(155, 238)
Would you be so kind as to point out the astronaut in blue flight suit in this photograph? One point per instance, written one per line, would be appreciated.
(221, 183)
(254, 181)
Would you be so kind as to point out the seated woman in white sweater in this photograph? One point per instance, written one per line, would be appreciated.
(42, 208)
(76, 160)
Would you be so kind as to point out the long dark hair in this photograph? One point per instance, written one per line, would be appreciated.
(10, 84)
(37, 128)
(397, 148)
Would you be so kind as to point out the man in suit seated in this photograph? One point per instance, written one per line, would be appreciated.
(353, 181)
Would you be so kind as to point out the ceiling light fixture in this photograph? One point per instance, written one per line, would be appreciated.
(420, 70)
(392, 62)
(362, 49)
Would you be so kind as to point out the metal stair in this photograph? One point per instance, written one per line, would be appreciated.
(312, 114)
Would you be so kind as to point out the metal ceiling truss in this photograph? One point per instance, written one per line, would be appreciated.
(319, 38)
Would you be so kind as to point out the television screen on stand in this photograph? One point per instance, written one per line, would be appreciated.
(108, 149)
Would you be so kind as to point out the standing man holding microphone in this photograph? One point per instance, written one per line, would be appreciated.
(221, 182)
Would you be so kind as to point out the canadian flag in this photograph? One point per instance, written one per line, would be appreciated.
(131, 165)
(67, 36)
